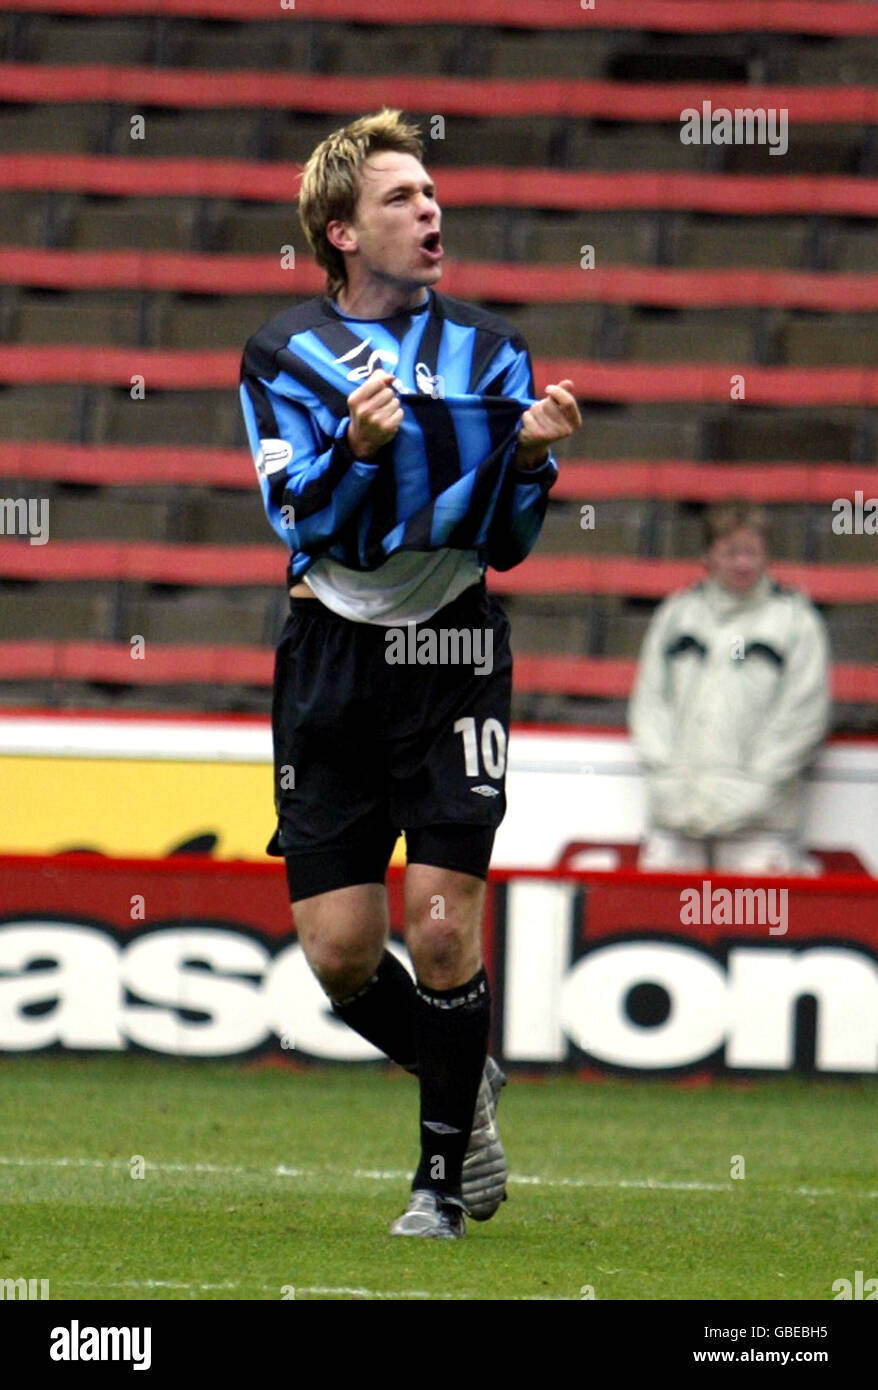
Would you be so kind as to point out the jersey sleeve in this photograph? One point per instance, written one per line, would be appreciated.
(310, 481)
(528, 496)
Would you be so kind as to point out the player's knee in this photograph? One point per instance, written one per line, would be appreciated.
(443, 946)
(340, 975)
(438, 942)
(341, 962)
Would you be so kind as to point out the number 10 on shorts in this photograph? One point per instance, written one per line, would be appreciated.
(493, 746)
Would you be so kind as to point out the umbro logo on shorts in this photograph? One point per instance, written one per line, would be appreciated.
(485, 791)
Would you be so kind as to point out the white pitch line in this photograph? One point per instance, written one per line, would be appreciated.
(281, 1170)
(343, 1289)
(263, 1288)
(126, 1163)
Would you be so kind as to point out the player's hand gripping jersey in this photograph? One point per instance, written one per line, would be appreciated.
(447, 479)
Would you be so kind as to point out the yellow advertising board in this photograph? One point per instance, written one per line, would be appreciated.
(137, 808)
(139, 788)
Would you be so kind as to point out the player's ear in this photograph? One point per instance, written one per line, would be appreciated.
(341, 235)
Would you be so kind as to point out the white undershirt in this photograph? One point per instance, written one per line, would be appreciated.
(409, 587)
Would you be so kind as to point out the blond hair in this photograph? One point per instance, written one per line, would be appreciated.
(330, 180)
(736, 515)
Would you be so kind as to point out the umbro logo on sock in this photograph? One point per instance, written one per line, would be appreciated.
(438, 1127)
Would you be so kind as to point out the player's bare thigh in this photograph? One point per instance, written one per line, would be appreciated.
(343, 934)
(443, 915)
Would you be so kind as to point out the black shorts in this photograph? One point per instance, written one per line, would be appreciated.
(369, 741)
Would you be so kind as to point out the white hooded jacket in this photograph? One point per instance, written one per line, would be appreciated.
(730, 703)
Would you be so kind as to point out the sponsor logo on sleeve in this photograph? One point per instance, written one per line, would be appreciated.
(274, 454)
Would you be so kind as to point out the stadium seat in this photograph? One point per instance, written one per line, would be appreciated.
(264, 46)
(35, 695)
(495, 141)
(561, 623)
(756, 435)
(835, 548)
(109, 514)
(830, 340)
(618, 431)
(678, 528)
(193, 321)
(618, 238)
(682, 58)
(165, 417)
(43, 611)
(248, 230)
(853, 631)
(789, 528)
(812, 150)
(837, 60)
(87, 317)
(476, 233)
(178, 615)
(368, 49)
(616, 529)
(528, 54)
(770, 242)
(692, 335)
(10, 25)
(218, 517)
(70, 129)
(557, 330)
(560, 532)
(59, 39)
(633, 148)
(205, 697)
(23, 219)
(854, 247)
(623, 626)
(98, 223)
(195, 134)
(41, 412)
(293, 136)
(540, 634)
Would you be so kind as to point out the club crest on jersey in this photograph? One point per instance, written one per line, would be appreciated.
(274, 454)
(377, 358)
(428, 384)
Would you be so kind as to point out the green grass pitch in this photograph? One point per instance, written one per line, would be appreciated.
(259, 1180)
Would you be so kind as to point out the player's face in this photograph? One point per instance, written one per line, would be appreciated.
(738, 561)
(396, 226)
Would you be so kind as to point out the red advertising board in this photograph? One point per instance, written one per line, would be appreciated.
(638, 973)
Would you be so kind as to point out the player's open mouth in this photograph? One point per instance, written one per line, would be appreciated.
(432, 246)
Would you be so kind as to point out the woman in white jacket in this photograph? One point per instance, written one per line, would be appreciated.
(730, 704)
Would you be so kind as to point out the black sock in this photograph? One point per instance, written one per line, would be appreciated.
(452, 1029)
(383, 1012)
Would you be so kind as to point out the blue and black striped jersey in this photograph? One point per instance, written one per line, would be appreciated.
(464, 378)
